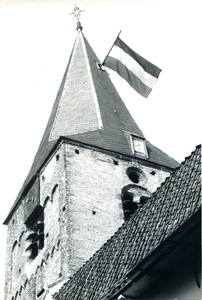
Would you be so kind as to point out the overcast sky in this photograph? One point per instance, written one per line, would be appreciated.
(36, 37)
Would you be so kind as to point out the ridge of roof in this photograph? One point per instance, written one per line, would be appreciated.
(171, 206)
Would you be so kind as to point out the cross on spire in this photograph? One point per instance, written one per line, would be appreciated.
(77, 14)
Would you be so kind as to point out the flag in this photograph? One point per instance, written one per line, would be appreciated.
(136, 70)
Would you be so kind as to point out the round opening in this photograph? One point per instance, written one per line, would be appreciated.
(134, 175)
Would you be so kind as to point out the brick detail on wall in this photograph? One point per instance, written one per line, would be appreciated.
(81, 196)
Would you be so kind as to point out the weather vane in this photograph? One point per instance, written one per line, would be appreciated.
(77, 14)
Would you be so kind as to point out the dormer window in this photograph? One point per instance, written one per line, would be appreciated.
(138, 145)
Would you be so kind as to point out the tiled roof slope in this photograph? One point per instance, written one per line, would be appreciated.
(177, 199)
(75, 111)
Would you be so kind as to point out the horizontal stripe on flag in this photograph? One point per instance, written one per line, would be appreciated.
(117, 66)
(133, 66)
(145, 64)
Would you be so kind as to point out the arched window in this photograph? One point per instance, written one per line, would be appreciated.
(55, 193)
(14, 261)
(133, 198)
(53, 208)
(46, 201)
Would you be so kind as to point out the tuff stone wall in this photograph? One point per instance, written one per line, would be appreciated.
(81, 194)
(94, 182)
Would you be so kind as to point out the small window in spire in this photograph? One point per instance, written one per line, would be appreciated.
(138, 145)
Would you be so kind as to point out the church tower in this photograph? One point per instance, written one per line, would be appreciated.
(93, 169)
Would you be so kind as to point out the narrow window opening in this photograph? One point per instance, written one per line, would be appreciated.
(40, 293)
(54, 190)
(20, 292)
(57, 157)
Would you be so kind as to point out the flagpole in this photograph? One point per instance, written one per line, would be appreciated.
(110, 49)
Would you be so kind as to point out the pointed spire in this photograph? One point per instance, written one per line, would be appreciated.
(89, 110)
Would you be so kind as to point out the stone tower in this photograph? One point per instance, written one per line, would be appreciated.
(92, 170)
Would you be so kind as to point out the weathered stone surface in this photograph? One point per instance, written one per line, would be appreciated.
(81, 193)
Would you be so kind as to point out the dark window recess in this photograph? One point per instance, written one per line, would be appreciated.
(134, 174)
(40, 293)
(36, 234)
(134, 177)
(129, 207)
(143, 199)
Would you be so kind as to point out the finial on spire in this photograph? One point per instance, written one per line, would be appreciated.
(77, 13)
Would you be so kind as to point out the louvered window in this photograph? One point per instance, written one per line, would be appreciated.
(35, 238)
(129, 207)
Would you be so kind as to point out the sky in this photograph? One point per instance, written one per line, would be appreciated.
(36, 38)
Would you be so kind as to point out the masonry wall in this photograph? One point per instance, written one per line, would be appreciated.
(94, 183)
(81, 195)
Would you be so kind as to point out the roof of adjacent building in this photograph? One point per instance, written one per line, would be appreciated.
(88, 109)
(169, 208)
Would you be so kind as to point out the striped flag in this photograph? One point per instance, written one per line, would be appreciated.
(137, 71)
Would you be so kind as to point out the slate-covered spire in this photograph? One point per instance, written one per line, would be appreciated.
(88, 109)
